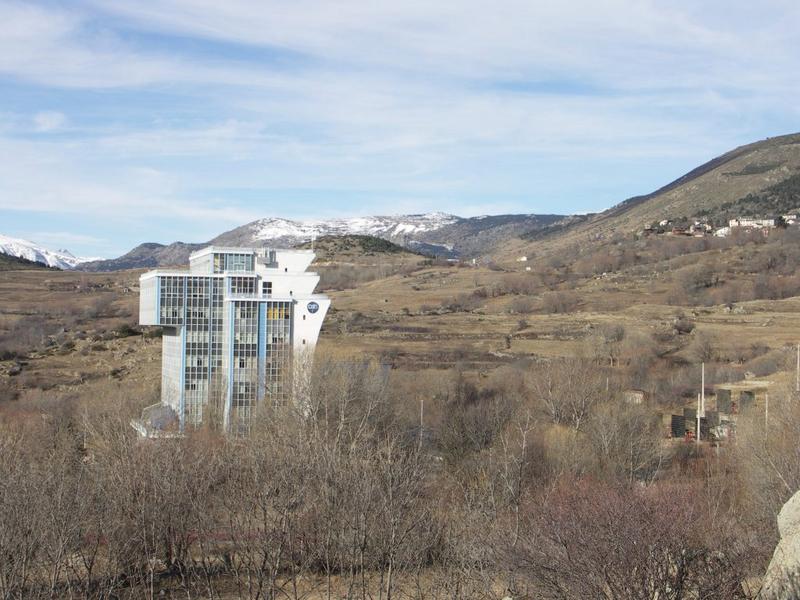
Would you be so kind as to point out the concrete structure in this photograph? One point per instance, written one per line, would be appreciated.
(752, 223)
(239, 325)
(741, 396)
(634, 396)
(732, 401)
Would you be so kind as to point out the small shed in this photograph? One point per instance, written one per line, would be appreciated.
(634, 396)
(739, 397)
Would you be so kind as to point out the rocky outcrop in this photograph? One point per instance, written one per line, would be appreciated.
(782, 580)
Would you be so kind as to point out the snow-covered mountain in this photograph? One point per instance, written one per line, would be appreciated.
(435, 234)
(62, 259)
(286, 231)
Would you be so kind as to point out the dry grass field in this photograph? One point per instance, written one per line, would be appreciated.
(403, 316)
(409, 314)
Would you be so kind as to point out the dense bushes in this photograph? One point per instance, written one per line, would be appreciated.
(342, 277)
(539, 482)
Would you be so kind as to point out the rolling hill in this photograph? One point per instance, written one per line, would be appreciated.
(754, 170)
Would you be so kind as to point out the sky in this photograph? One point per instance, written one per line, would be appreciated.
(128, 121)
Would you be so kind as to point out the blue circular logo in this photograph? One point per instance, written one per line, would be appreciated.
(312, 307)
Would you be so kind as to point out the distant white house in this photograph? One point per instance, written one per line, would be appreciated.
(700, 228)
(755, 223)
(522, 259)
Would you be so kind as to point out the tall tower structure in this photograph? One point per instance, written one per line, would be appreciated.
(237, 325)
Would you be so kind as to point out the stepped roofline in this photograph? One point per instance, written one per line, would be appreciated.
(244, 250)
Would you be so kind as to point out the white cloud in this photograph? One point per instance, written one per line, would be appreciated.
(65, 239)
(49, 120)
(424, 101)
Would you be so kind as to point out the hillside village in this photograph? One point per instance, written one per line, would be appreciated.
(705, 227)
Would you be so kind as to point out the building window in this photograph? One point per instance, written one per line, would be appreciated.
(266, 288)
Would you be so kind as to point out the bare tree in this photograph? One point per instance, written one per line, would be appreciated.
(567, 389)
(596, 541)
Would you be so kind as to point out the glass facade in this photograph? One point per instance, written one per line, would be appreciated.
(171, 299)
(232, 262)
(198, 349)
(227, 341)
(244, 364)
(243, 285)
(277, 335)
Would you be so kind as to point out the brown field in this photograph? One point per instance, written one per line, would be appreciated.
(421, 317)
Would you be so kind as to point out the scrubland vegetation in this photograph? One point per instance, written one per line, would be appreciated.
(536, 483)
(342, 277)
(479, 447)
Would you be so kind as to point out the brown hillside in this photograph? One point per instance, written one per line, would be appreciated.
(745, 170)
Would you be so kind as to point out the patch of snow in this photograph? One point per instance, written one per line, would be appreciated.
(62, 259)
(391, 226)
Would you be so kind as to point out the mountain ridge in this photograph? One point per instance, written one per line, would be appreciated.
(721, 181)
(435, 233)
(33, 252)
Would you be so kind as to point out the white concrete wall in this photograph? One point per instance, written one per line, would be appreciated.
(307, 324)
(294, 260)
(148, 301)
(171, 362)
(290, 284)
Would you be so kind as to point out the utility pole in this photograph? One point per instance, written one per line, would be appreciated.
(766, 414)
(703, 388)
(697, 432)
(421, 418)
(797, 384)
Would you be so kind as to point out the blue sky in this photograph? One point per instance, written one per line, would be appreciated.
(124, 121)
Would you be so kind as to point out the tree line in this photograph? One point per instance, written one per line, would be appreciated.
(541, 485)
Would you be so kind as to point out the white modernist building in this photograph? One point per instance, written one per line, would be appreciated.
(237, 325)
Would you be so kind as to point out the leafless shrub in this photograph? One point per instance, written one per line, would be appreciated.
(462, 303)
(683, 325)
(770, 458)
(559, 302)
(101, 306)
(597, 541)
(344, 277)
(522, 305)
(768, 363)
(519, 284)
(27, 334)
(566, 390)
(613, 333)
(703, 348)
(625, 442)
